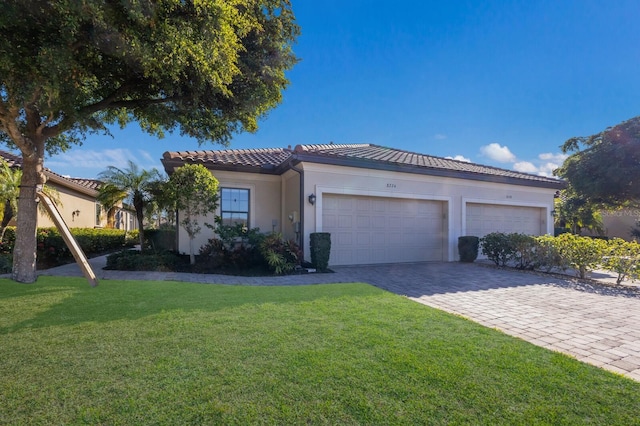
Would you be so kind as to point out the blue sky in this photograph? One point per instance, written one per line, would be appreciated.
(501, 83)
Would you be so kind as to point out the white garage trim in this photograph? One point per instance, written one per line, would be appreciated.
(547, 210)
(320, 191)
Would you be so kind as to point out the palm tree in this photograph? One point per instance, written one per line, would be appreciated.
(132, 184)
(9, 189)
(10, 178)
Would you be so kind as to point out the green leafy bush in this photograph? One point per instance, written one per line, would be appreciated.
(524, 250)
(547, 254)
(52, 250)
(237, 248)
(320, 250)
(282, 256)
(584, 254)
(497, 247)
(134, 260)
(6, 263)
(623, 258)
(160, 239)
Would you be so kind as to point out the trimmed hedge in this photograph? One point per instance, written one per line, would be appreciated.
(320, 250)
(51, 248)
(468, 248)
(583, 254)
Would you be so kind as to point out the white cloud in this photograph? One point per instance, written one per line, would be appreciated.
(525, 167)
(498, 153)
(554, 158)
(439, 136)
(459, 158)
(547, 169)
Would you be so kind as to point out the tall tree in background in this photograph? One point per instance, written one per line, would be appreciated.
(132, 185)
(208, 68)
(604, 169)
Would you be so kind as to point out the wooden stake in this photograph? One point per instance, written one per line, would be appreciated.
(69, 239)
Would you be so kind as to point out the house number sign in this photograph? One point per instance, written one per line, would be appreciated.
(391, 185)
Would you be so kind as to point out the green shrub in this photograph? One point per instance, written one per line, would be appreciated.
(547, 254)
(6, 263)
(623, 258)
(581, 253)
(524, 250)
(134, 260)
(320, 250)
(237, 248)
(468, 248)
(52, 250)
(131, 238)
(161, 239)
(282, 256)
(496, 246)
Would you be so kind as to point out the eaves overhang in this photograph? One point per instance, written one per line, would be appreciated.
(299, 157)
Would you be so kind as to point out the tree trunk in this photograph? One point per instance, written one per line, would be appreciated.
(24, 252)
(111, 217)
(138, 204)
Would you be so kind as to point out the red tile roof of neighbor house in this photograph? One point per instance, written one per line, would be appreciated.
(14, 160)
(355, 155)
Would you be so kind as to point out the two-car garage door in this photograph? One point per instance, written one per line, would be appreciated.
(367, 230)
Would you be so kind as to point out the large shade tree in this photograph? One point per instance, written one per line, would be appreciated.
(208, 68)
(604, 169)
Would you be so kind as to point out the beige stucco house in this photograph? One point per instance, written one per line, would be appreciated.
(78, 205)
(381, 205)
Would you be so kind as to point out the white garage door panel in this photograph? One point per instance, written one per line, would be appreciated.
(382, 230)
(483, 219)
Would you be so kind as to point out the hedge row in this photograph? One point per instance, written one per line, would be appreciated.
(547, 253)
(51, 248)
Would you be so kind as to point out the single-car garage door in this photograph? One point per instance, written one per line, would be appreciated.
(483, 219)
(367, 230)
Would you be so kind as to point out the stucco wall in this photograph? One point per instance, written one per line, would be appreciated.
(321, 179)
(264, 205)
(72, 201)
(290, 204)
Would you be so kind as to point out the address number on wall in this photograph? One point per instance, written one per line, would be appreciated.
(391, 185)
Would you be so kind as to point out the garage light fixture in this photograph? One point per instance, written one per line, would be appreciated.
(312, 199)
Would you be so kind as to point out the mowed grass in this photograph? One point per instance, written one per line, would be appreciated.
(131, 352)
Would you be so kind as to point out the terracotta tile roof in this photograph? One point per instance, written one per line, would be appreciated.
(233, 157)
(11, 159)
(88, 183)
(356, 155)
(375, 153)
(16, 161)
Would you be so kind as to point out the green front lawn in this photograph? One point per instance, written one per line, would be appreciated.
(131, 352)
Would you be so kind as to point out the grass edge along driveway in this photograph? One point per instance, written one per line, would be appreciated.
(131, 352)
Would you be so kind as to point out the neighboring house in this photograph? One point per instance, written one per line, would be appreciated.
(78, 205)
(381, 205)
(619, 223)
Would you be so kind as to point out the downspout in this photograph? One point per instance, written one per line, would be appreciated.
(301, 173)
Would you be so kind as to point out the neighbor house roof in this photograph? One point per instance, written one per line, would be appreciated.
(369, 156)
(85, 186)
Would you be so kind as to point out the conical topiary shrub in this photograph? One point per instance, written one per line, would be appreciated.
(468, 248)
(320, 250)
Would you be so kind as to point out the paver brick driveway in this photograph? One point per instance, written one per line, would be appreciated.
(595, 324)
